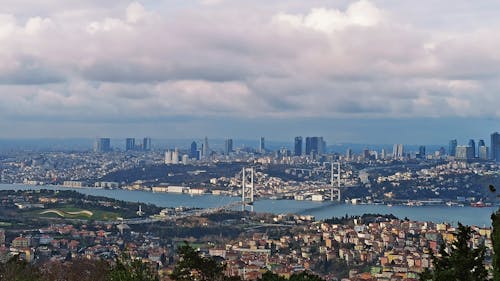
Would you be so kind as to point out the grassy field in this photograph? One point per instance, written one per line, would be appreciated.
(71, 212)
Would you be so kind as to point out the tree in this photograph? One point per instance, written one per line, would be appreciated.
(193, 267)
(302, 276)
(305, 276)
(495, 237)
(76, 270)
(461, 263)
(128, 269)
(269, 276)
(19, 270)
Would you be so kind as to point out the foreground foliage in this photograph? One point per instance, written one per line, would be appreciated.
(461, 263)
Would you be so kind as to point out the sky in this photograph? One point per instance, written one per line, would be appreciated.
(352, 71)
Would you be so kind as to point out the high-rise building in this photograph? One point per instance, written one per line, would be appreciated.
(262, 145)
(495, 147)
(146, 144)
(315, 146)
(228, 146)
(168, 157)
(464, 152)
(366, 154)
(398, 151)
(297, 147)
(348, 154)
(175, 156)
(129, 144)
(482, 150)
(472, 144)
(102, 145)
(421, 152)
(193, 153)
(185, 159)
(452, 147)
(480, 143)
(383, 154)
(172, 156)
(483, 153)
(205, 150)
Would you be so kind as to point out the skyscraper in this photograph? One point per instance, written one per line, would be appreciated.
(129, 144)
(205, 150)
(452, 147)
(315, 145)
(421, 152)
(348, 154)
(464, 152)
(193, 151)
(483, 152)
(228, 146)
(175, 156)
(366, 154)
(146, 144)
(262, 145)
(472, 144)
(480, 143)
(297, 147)
(398, 151)
(102, 145)
(168, 157)
(495, 147)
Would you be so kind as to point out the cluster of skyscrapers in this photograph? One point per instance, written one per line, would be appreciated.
(313, 146)
(104, 144)
(480, 151)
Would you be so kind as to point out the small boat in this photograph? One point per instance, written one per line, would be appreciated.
(478, 204)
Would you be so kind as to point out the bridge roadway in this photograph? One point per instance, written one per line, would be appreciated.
(197, 212)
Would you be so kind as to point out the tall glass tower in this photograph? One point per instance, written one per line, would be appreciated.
(495, 146)
(452, 147)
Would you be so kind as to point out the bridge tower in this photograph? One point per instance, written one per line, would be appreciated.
(247, 188)
(332, 181)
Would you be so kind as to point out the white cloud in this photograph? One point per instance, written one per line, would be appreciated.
(362, 13)
(37, 24)
(135, 12)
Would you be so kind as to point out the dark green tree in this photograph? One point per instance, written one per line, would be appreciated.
(305, 276)
(269, 276)
(461, 263)
(495, 237)
(76, 270)
(302, 276)
(19, 270)
(128, 269)
(193, 267)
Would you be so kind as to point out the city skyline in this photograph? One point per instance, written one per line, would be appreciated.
(346, 70)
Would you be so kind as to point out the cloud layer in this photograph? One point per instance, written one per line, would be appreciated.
(136, 61)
